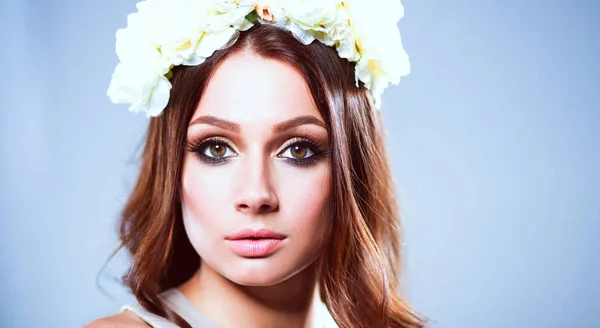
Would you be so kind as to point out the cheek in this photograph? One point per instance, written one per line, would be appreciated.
(204, 201)
(305, 198)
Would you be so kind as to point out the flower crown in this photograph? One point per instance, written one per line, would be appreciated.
(168, 33)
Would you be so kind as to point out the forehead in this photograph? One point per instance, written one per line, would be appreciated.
(249, 89)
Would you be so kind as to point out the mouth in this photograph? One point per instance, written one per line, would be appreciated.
(255, 234)
(251, 243)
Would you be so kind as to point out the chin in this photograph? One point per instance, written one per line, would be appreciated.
(258, 272)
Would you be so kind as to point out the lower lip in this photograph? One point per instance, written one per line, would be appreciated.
(255, 247)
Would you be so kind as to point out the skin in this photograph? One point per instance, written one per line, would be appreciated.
(257, 186)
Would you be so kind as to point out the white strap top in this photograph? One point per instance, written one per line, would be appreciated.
(177, 302)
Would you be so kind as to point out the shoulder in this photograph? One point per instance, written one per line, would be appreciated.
(126, 319)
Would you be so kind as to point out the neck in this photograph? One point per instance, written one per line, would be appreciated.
(293, 301)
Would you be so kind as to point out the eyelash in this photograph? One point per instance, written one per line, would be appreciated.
(199, 147)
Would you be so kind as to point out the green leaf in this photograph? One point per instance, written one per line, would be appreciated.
(252, 18)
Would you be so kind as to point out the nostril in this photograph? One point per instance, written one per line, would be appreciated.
(258, 205)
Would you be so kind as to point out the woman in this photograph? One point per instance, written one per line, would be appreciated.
(265, 197)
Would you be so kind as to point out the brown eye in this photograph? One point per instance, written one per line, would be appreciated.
(212, 150)
(217, 150)
(299, 151)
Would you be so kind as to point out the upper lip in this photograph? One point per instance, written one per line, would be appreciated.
(255, 234)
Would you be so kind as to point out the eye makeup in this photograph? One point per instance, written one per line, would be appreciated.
(209, 150)
(318, 151)
(200, 147)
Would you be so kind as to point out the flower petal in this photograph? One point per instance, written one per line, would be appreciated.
(160, 97)
(210, 42)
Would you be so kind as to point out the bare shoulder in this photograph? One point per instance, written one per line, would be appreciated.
(126, 319)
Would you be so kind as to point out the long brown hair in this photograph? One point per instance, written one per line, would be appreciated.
(360, 267)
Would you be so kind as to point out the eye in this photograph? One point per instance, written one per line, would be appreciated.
(303, 152)
(217, 149)
(214, 150)
(298, 151)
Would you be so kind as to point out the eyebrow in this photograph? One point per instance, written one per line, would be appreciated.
(215, 121)
(277, 128)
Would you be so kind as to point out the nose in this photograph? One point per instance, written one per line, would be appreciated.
(256, 194)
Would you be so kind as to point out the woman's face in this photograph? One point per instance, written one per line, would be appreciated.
(256, 177)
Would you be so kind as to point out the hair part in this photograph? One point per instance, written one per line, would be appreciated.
(360, 268)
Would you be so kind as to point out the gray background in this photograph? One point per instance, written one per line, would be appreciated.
(494, 140)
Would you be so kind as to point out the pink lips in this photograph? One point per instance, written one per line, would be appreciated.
(255, 243)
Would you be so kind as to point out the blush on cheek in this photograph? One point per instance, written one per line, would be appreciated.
(202, 206)
(310, 193)
(204, 189)
(306, 209)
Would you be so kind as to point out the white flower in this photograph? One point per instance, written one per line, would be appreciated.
(382, 57)
(167, 33)
(138, 85)
(328, 21)
(139, 78)
(228, 13)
